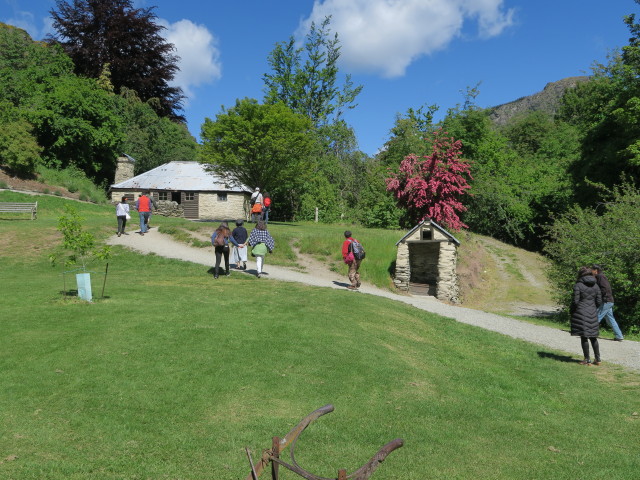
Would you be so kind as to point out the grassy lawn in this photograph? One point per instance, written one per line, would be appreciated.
(173, 374)
(324, 242)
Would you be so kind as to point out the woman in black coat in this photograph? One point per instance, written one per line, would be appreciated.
(584, 314)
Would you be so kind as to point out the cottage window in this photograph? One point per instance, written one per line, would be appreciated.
(222, 197)
(189, 196)
(163, 196)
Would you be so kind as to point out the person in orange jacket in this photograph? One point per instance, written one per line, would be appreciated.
(143, 205)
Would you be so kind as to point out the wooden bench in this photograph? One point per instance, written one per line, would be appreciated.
(18, 207)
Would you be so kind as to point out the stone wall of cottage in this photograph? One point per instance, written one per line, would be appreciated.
(211, 207)
(448, 288)
(436, 258)
(168, 208)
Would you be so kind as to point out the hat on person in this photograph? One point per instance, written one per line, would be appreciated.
(239, 222)
(257, 189)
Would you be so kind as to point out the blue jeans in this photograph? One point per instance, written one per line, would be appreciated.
(143, 221)
(606, 312)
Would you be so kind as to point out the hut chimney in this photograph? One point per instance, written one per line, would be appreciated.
(124, 168)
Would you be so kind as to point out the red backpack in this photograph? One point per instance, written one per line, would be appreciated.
(267, 201)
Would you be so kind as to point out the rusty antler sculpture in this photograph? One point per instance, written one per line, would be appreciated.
(272, 456)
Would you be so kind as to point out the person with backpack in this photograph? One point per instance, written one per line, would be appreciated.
(220, 239)
(262, 242)
(256, 205)
(266, 207)
(353, 254)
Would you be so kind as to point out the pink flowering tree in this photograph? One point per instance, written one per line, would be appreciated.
(431, 186)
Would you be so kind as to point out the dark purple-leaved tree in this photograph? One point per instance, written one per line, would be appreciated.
(431, 186)
(111, 35)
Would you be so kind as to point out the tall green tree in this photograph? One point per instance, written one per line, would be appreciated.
(150, 139)
(606, 111)
(409, 135)
(306, 78)
(99, 32)
(72, 120)
(262, 145)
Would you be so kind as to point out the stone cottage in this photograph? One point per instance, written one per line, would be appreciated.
(183, 189)
(426, 262)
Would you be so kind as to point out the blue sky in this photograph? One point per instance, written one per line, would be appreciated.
(405, 53)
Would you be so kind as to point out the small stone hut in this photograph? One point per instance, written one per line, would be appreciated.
(183, 189)
(426, 262)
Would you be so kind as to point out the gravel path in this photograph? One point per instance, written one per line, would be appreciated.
(626, 353)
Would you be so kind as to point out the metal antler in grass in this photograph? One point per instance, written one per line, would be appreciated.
(272, 456)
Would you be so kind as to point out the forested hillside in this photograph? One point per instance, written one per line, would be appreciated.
(558, 173)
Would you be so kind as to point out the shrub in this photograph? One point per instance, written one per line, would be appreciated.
(609, 235)
(18, 148)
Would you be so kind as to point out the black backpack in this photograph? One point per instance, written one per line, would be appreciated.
(357, 249)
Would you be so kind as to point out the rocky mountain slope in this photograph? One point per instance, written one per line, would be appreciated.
(546, 100)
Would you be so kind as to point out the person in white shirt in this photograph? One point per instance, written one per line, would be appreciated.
(122, 212)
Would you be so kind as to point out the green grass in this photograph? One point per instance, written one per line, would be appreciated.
(173, 374)
(323, 242)
(73, 180)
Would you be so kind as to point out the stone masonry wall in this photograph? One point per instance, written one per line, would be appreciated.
(403, 270)
(168, 208)
(211, 208)
(448, 288)
(124, 170)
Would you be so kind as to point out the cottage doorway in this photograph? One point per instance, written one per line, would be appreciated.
(423, 267)
(190, 204)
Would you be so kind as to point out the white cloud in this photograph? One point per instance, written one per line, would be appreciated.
(385, 36)
(199, 55)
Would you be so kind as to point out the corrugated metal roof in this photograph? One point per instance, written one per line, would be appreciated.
(188, 176)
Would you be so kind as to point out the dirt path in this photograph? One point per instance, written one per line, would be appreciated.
(625, 353)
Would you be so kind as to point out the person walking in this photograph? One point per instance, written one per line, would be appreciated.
(256, 205)
(153, 206)
(262, 242)
(266, 207)
(606, 310)
(584, 314)
(352, 258)
(143, 205)
(240, 235)
(122, 214)
(220, 239)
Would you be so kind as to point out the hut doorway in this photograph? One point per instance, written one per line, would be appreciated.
(423, 267)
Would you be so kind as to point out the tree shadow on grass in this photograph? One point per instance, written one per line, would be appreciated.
(558, 358)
